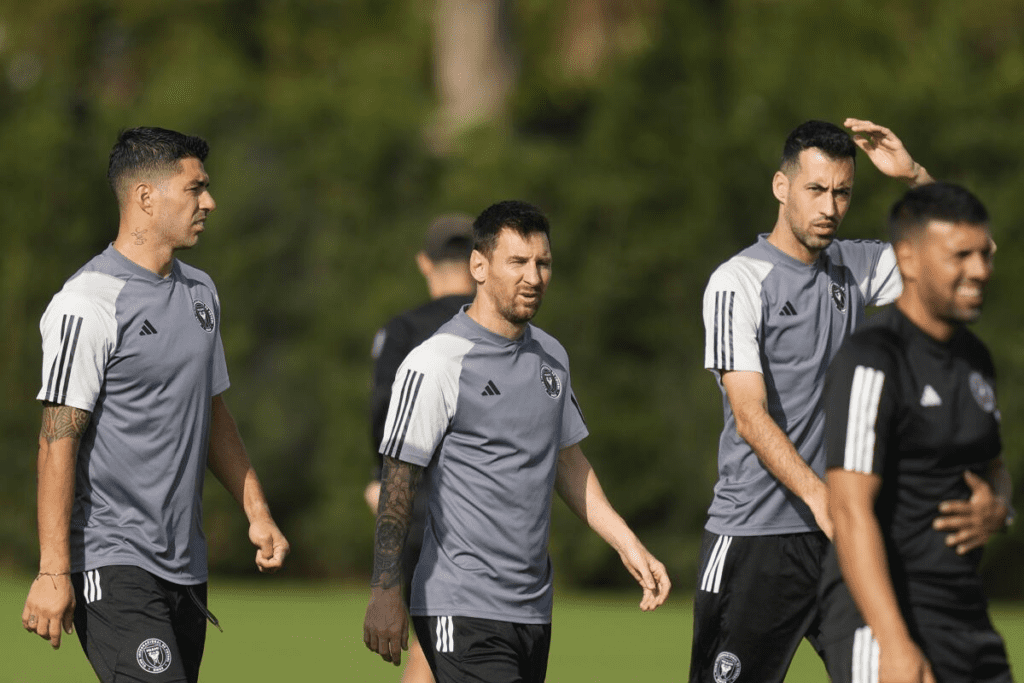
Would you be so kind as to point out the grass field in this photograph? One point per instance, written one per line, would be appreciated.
(280, 631)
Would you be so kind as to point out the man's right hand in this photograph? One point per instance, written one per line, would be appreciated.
(49, 607)
(903, 663)
(386, 627)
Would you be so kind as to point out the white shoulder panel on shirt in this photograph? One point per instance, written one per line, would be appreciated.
(440, 348)
(99, 288)
(741, 273)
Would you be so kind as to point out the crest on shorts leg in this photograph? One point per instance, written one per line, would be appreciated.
(153, 656)
(727, 667)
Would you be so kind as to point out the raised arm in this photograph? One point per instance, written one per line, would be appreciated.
(51, 599)
(887, 153)
(862, 558)
(578, 486)
(386, 626)
(229, 462)
(749, 401)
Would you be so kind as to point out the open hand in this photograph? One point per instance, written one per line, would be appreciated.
(886, 151)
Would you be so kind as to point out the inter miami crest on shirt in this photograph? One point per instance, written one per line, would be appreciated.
(552, 384)
(204, 315)
(838, 296)
(982, 392)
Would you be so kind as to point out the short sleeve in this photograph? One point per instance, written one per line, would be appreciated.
(390, 347)
(885, 284)
(732, 319)
(574, 425)
(423, 399)
(873, 264)
(860, 387)
(79, 334)
(220, 380)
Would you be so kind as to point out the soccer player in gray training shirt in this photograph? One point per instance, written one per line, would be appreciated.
(133, 372)
(486, 407)
(775, 315)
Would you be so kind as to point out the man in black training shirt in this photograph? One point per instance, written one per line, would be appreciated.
(912, 423)
(444, 263)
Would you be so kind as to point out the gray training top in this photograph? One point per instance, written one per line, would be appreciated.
(488, 415)
(766, 312)
(143, 354)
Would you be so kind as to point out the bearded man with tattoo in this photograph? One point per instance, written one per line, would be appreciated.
(485, 410)
(133, 414)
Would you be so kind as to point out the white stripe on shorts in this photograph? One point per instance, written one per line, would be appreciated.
(445, 635)
(91, 587)
(712, 580)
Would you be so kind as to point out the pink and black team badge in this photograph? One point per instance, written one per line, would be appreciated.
(153, 656)
(204, 315)
(552, 385)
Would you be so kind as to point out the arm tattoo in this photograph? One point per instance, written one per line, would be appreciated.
(60, 422)
(399, 481)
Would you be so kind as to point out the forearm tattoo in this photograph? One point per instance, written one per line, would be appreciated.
(399, 481)
(60, 422)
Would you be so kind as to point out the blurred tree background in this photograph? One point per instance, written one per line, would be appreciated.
(648, 130)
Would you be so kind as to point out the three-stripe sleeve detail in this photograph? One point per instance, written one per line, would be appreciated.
(712, 580)
(60, 371)
(865, 394)
(403, 415)
(91, 588)
(723, 331)
(445, 632)
(865, 656)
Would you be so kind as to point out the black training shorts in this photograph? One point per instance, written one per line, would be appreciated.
(756, 599)
(962, 646)
(135, 626)
(471, 650)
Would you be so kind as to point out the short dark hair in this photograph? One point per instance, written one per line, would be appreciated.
(147, 150)
(934, 202)
(835, 142)
(513, 214)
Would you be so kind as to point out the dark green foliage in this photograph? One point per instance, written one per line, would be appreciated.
(319, 117)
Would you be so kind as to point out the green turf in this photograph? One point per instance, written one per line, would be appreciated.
(275, 630)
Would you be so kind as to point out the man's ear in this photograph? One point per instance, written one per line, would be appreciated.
(425, 265)
(780, 186)
(478, 266)
(143, 195)
(907, 259)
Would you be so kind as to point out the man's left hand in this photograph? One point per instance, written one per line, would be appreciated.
(971, 522)
(272, 546)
